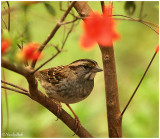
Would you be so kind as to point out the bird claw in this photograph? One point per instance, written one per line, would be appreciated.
(59, 110)
(78, 125)
(77, 121)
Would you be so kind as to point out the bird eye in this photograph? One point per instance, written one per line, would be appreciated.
(86, 66)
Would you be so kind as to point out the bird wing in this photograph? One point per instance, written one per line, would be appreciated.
(53, 75)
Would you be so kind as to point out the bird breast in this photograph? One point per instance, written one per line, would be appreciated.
(70, 91)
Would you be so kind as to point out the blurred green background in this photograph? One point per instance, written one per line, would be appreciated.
(132, 53)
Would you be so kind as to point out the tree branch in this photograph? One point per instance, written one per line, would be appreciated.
(64, 116)
(54, 31)
(83, 9)
(52, 106)
(9, 66)
(8, 16)
(111, 87)
(39, 97)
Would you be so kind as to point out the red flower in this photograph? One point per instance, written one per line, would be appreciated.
(99, 28)
(5, 45)
(29, 52)
(36, 56)
(157, 49)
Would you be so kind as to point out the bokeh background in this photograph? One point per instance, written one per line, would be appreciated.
(132, 53)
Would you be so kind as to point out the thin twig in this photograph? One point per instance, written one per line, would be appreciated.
(138, 84)
(15, 90)
(75, 17)
(126, 17)
(141, 10)
(67, 36)
(1, 115)
(141, 21)
(4, 22)
(6, 98)
(72, 11)
(8, 15)
(131, 19)
(102, 5)
(64, 32)
(53, 31)
(68, 22)
(155, 25)
(11, 10)
(63, 10)
(19, 46)
(60, 5)
(16, 86)
(45, 62)
(58, 51)
(111, 3)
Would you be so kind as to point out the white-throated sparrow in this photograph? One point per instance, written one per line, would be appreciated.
(70, 83)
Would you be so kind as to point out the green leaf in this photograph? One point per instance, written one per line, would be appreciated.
(130, 7)
(6, 34)
(13, 48)
(13, 37)
(50, 9)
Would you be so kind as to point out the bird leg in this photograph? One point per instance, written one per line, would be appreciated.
(78, 124)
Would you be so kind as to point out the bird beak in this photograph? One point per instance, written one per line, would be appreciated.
(97, 69)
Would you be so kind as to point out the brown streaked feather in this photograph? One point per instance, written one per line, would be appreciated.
(53, 75)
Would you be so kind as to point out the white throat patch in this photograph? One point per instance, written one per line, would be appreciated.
(90, 76)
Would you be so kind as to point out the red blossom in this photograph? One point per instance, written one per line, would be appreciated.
(29, 52)
(5, 43)
(99, 28)
(36, 56)
(157, 49)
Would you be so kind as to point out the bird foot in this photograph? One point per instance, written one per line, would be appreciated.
(78, 124)
(77, 121)
(59, 109)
